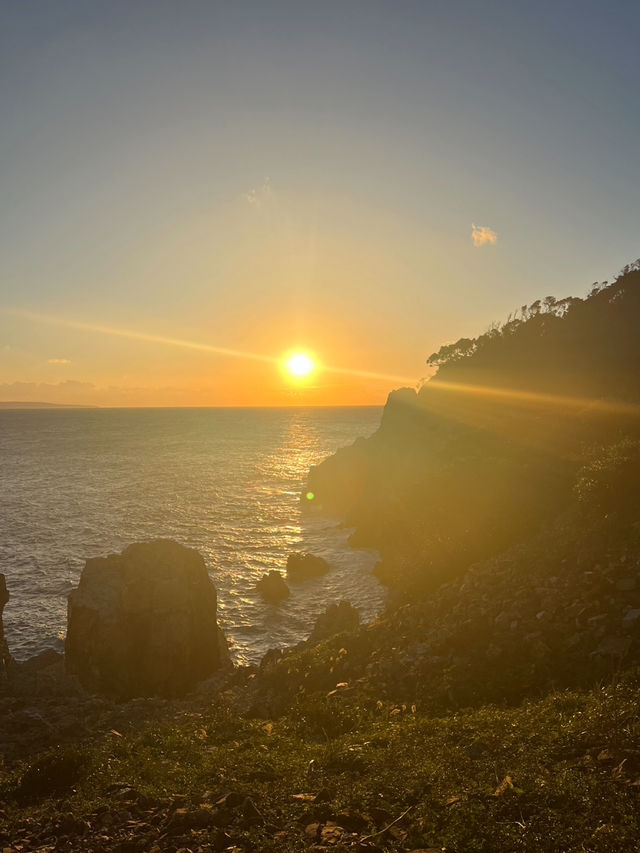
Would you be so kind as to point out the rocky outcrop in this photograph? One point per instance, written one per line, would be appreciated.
(5, 658)
(336, 619)
(302, 566)
(143, 622)
(273, 587)
(561, 610)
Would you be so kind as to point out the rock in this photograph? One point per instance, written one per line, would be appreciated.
(626, 584)
(331, 833)
(250, 812)
(312, 831)
(614, 646)
(43, 675)
(336, 619)
(502, 619)
(5, 657)
(143, 623)
(43, 660)
(273, 587)
(631, 618)
(187, 819)
(270, 658)
(302, 566)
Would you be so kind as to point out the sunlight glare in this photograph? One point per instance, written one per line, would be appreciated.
(299, 364)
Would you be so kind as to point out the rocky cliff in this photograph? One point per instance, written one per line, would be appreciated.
(489, 450)
(446, 481)
(5, 658)
(143, 622)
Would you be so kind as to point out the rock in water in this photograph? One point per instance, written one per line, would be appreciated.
(336, 619)
(143, 623)
(273, 587)
(5, 657)
(301, 566)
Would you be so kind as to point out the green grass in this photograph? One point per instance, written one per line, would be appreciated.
(571, 760)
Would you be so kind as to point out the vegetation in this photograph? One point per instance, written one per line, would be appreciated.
(560, 773)
(583, 347)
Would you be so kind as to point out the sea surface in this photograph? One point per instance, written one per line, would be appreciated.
(85, 483)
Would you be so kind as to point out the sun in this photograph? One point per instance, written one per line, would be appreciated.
(299, 364)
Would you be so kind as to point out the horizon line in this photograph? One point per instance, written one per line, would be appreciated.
(26, 404)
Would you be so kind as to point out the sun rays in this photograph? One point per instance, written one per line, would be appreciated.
(297, 364)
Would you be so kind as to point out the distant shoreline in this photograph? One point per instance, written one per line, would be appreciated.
(17, 406)
(13, 404)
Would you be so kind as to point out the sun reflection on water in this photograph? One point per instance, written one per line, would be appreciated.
(227, 482)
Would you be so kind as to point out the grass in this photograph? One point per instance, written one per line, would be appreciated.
(555, 774)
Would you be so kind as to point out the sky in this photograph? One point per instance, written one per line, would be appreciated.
(362, 180)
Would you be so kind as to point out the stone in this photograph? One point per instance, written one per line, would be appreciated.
(273, 587)
(270, 658)
(501, 619)
(43, 675)
(312, 831)
(336, 619)
(143, 623)
(614, 646)
(5, 657)
(187, 819)
(331, 833)
(631, 617)
(626, 584)
(250, 811)
(302, 566)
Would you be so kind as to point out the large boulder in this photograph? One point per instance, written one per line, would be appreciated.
(302, 566)
(273, 587)
(143, 623)
(5, 658)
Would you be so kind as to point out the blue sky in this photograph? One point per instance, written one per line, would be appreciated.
(267, 175)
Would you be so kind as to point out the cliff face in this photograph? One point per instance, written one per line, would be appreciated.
(490, 448)
(5, 658)
(445, 481)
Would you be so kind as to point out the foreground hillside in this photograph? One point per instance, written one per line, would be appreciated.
(494, 704)
(558, 774)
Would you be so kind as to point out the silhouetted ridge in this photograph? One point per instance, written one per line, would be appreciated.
(587, 347)
(491, 448)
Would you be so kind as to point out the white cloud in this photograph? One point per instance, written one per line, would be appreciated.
(59, 361)
(259, 196)
(482, 236)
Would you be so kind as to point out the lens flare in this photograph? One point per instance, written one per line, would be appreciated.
(303, 365)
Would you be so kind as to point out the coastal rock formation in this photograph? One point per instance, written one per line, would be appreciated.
(5, 658)
(302, 566)
(478, 459)
(143, 622)
(336, 619)
(273, 587)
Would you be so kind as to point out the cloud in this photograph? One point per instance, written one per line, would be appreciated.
(69, 391)
(481, 236)
(259, 196)
(59, 361)
(79, 393)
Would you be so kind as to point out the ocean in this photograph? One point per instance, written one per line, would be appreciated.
(88, 482)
